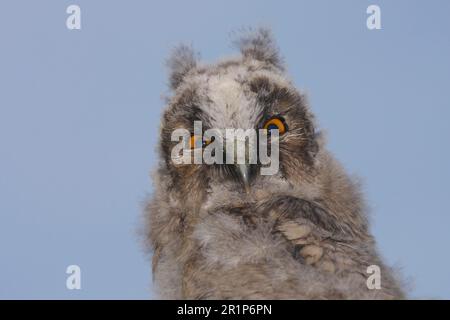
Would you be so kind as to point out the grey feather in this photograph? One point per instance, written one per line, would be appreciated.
(182, 60)
(258, 44)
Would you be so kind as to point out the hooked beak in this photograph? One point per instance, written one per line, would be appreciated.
(244, 171)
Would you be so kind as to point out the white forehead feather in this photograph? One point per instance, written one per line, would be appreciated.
(226, 102)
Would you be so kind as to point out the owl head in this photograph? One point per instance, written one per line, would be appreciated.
(250, 91)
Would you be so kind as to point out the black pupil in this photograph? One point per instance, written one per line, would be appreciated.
(205, 142)
(272, 127)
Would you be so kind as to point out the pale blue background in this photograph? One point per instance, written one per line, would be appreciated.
(79, 116)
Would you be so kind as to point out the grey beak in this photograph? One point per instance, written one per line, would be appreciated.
(244, 171)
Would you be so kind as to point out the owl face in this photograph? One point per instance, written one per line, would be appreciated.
(249, 92)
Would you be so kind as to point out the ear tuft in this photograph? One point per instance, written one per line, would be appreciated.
(260, 45)
(181, 61)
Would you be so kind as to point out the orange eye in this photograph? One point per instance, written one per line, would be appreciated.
(275, 123)
(207, 141)
(194, 140)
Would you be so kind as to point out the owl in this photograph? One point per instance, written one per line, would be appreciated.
(226, 231)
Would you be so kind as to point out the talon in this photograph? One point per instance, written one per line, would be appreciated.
(294, 231)
(311, 253)
(327, 266)
(302, 241)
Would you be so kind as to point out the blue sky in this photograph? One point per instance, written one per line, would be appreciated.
(79, 119)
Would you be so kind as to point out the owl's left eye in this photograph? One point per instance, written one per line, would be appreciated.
(275, 123)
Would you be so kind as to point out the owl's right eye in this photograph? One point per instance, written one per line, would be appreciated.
(196, 139)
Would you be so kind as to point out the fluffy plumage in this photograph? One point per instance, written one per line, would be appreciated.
(300, 234)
